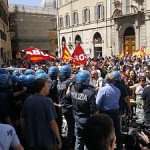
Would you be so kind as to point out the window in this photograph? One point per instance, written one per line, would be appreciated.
(60, 2)
(126, 7)
(61, 22)
(74, 18)
(67, 21)
(99, 12)
(86, 15)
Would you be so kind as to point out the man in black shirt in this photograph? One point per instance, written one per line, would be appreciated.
(146, 102)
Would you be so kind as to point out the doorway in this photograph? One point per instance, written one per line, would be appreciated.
(97, 41)
(129, 41)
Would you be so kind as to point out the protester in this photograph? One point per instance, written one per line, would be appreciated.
(9, 138)
(146, 102)
(99, 133)
(107, 101)
(38, 119)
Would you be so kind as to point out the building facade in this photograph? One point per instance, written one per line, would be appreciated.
(5, 44)
(103, 27)
(33, 27)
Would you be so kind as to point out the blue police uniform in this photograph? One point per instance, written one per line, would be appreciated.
(107, 101)
(84, 105)
(54, 96)
(66, 108)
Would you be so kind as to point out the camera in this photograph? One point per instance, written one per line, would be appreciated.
(133, 140)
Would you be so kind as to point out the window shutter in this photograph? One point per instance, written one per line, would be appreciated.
(77, 19)
(96, 15)
(68, 20)
(59, 22)
(124, 7)
(83, 17)
(62, 22)
(88, 15)
(72, 19)
(102, 12)
(128, 6)
(65, 25)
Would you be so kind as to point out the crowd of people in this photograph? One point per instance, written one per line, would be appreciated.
(92, 98)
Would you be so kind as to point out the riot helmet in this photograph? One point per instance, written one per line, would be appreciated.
(65, 72)
(39, 71)
(53, 72)
(29, 72)
(16, 72)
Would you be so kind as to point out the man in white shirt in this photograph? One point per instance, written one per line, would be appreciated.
(9, 138)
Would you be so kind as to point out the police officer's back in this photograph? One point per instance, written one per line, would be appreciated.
(84, 105)
(83, 98)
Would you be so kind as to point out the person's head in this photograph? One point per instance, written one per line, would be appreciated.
(99, 133)
(127, 72)
(132, 75)
(42, 86)
(136, 65)
(82, 80)
(53, 72)
(94, 74)
(147, 73)
(142, 80)
(109, 78)
(65, 72)
(117, 76)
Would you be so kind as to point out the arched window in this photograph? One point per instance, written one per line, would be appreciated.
(77, 39)
(97, 38)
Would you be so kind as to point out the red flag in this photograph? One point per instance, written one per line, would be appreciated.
(142, 49)
(78, 56)
(37, 55)
(66, 55)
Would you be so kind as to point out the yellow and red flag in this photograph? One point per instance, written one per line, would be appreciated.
(122, 54)
(65, 54)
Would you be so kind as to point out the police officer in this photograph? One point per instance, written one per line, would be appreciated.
(16, 73)
(84, 105)
(53, 74)
(5, 108)
(29, 84)
(64, 102)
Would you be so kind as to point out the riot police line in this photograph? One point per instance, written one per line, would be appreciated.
(73, 96)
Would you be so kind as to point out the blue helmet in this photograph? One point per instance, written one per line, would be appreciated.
(16, 72)
(83, 77)
(65, 71)
(29, 80)
(4, 80)
(39, 71)
(3, 71)
(117, 76)
(42, 76)
(29, 71)
(21, 77)
(13, 79)
(53, 71)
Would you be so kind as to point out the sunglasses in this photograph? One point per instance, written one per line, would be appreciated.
(142, 80)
